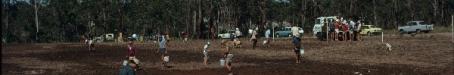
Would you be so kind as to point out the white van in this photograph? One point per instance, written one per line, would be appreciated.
(317, 30)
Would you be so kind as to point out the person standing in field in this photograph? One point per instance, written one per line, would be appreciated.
(91, 45)
(345, 30)
(337, 26)
(352, 29)
(296, 40)
(358, 30)
(237, 34)
(228, 63)
(267, 37)
(185, 36)
(227, 56)
(325, 30)
(331, 29)
(162, 48)
(205, 53)
(254, 38)
(132, 53)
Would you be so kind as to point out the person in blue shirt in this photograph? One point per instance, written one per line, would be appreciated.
(162, 47)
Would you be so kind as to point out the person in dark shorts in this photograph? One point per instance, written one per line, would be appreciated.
(297, 43)
(331, 29)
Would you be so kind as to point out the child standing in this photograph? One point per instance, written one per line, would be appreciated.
(205, 53)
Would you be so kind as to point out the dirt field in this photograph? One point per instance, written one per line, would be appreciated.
(426, 54)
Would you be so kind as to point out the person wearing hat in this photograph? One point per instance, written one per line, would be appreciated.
(205, 53)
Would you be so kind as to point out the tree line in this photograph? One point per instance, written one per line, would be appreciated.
(68, 20)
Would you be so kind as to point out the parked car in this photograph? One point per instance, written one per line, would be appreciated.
(104, 38)
(370, 30)
(286, 32)
(226, 34)
(415, 27)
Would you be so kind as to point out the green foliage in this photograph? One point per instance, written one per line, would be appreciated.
(67, 20)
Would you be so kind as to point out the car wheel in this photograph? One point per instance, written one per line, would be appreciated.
(369, 34)
(277, 35)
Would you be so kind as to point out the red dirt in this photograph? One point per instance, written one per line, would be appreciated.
(421, 55)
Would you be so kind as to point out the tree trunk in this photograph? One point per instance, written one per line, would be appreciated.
(36, 20)
(375, 12)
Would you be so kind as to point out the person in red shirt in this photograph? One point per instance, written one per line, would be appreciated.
(346, 31)
(132, 53)
(131, 50)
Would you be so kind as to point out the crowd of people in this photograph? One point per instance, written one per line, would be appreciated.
(341, 29)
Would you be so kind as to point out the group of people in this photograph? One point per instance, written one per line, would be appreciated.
(341, 29)
(132, 64)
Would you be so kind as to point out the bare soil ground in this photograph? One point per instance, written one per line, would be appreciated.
(426, 54)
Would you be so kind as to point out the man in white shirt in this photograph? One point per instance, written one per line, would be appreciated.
(358, 30)
(352, 29)
(254, 38)
(267, 37)
(236, 40)
(238, 33)
(296, 42)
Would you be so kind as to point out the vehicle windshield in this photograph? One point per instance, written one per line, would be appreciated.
(373, 27)
(318, 21)
(364, 27)
(424, 23)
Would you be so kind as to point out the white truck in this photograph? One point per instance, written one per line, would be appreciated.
(317, 30)
(415, 27)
